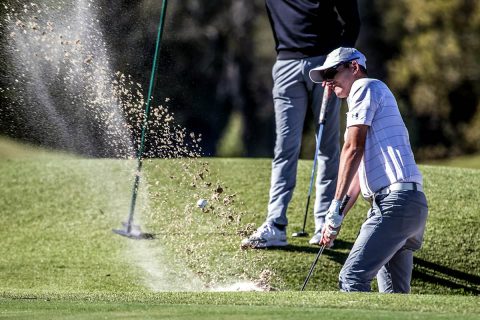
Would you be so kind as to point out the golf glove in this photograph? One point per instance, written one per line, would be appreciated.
(333, 222)
(333, 218)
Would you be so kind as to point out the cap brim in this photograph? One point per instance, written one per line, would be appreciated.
(316, 74)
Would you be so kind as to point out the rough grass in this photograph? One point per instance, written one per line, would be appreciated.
(11, 149)
(470, 161)
(58, 251)
(446, 264)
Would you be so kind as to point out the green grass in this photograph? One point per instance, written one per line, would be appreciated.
(446, 264)
(11, 149)
(59, 258)
(471, 161)
(272, 305)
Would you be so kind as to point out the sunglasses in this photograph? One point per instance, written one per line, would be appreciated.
(330, 73)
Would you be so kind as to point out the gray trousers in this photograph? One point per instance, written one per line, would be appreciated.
(384, 247)
(293, 93)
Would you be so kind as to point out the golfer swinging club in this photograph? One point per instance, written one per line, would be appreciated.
(377, 160)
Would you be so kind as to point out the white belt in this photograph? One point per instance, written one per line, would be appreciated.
(397, 186)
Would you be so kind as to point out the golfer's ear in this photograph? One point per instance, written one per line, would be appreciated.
(356, 67)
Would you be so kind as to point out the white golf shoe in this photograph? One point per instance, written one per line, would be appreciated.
(267, 235)
(317, 236)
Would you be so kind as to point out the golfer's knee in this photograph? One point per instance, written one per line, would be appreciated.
(351, 282)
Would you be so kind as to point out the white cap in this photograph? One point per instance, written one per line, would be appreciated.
(336, 58)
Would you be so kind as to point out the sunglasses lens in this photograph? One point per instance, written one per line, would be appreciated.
(329, 74)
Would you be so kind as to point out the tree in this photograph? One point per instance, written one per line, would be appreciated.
(211, 63)
(436, 71)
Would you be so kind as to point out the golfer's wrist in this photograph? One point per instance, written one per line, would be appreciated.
(334, 218)
(335, 206)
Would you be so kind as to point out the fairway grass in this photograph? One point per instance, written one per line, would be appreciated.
(270, 305)
(59, 258)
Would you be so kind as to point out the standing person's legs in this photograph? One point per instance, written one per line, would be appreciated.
(290, 101)
(394, 227)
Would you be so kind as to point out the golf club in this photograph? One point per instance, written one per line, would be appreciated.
(130, 230)
(322, 247)
(321, 122)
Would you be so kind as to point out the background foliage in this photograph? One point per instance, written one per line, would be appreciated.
(217, 57)
(435, 71)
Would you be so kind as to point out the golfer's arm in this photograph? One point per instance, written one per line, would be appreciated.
(353, 192)
(350, 158)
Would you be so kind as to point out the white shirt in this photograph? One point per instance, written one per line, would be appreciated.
(388, 156)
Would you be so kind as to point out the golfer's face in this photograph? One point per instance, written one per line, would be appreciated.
(342, 81)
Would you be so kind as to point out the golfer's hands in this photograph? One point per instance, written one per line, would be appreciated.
(329, 234)
(333, 223)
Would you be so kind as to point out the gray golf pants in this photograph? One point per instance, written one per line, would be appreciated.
(386, 242)
(293, 93)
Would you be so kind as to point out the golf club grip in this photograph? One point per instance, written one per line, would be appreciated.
(344, 203)
(323, 108)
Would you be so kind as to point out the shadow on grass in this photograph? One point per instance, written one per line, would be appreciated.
(333, 253)
(434, 273)
(339, 245)
(423, 270)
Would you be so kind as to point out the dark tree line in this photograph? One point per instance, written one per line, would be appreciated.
(210, 64)
(216, 60)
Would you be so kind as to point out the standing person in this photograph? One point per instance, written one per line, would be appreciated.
(305, 31)
(377, 160)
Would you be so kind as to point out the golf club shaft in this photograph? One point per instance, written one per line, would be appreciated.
(134, 197)
(312, 267)
(312, 175)
(321, 122)
(343, 205)
(145, 117)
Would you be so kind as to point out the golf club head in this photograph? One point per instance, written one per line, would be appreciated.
(300, 234)
(134, 234)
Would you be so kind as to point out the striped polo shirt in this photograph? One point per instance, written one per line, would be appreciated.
(388, 156)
